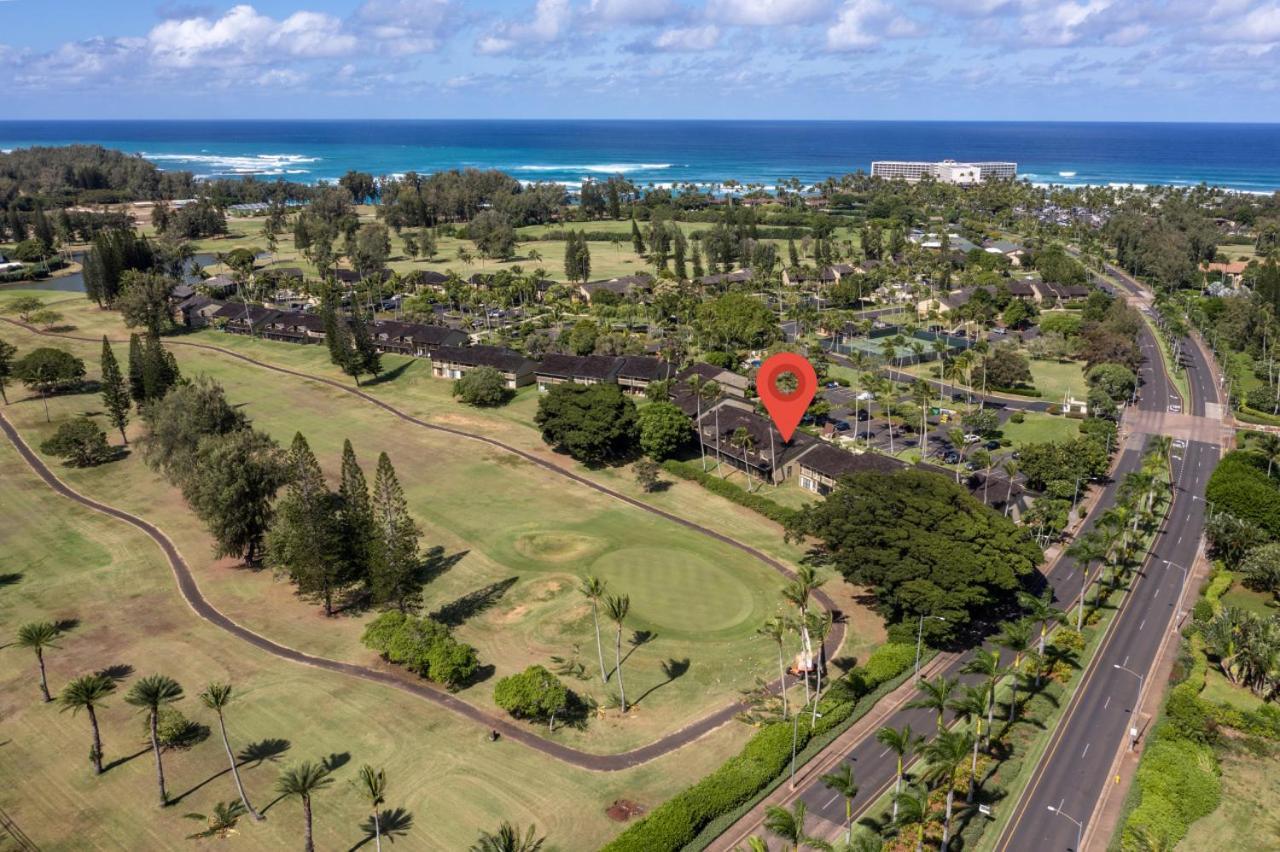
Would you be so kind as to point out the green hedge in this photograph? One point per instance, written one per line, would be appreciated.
(679, 820)
(694, 473)
(1031, 392)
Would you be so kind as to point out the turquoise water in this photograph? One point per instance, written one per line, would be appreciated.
(1240, 156)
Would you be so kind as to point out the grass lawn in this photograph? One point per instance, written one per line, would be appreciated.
(1055, 379)
(1038, 427)
(1247, 817)
(1261, 603)
(508, 523)
(63, 561)
(1219, 690)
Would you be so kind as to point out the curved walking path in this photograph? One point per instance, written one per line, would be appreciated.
(195, 599)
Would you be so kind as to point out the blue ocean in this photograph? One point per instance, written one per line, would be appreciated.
(1240, 156)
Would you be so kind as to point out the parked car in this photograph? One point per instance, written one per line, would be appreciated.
(972, 438)
(992, 445)
(863, 396)
(951, 457)
(831, 385)
(842, 426)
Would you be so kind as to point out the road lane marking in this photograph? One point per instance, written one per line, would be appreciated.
(1108, 704)
(1143, 624)
(1086, 750)
(831, 801)
(1126, 660)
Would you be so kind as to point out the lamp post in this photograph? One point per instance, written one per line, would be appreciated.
(920, 639)
(1133, 729)
(1079, 825)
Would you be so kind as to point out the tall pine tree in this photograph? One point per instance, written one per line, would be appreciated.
(137, 366)
(637, 241)
(395, 570)
(366, 357)
(115, 393)
(357, 514)
(159, 369)
(305, 540)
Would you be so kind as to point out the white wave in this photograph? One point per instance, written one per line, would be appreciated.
(598, 168)
(1066, 174)
(253, 164)
(6, 150)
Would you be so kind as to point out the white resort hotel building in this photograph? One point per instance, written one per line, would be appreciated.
(947, 171)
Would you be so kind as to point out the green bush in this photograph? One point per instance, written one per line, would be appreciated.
(534, 693)
(1181, 771)
(1159, 817)
(423, 646)
(1017, 417)
(1240, 486)
(174, 730)
(887, 662)
(694, 473)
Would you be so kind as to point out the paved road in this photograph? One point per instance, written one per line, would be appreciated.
(191, 592)
(1077, 766)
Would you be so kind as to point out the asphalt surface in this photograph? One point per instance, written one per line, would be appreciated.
(1100, 719)
(1087, 741)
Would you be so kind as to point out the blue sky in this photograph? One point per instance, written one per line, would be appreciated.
(1104, 60)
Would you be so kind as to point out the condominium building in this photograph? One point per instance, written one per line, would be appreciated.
(947, 171)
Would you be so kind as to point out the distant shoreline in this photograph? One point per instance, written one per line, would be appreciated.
(665, 153)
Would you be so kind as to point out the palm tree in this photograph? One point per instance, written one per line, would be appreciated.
(37, 636)
(971, 705)
(987, 664)
(937, 693)
(775, 628)
(151, 693)
(617, 607)
(841, 781)
(216, 697)
(87, 692)
(742, 440)
(1084, 551)
(903, 742)
(1269, 446)
(1010, 470)
(797, 593)
(507, 839)
(372, 784)
(1015, 637)
(946, 754)
(696, 383)
(303, 781)
(593, 588)
(221, 823)
(820, 627)
(911, 808)
(1039, 608)
(789, 825)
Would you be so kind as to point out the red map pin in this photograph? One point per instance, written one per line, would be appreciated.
(786, 408)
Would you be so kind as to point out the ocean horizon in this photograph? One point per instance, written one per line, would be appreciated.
(1243, 157)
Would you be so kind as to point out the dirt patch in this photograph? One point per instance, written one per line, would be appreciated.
(515, 614)
(623, 810)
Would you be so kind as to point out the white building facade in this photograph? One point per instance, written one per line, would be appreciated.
(947, 171)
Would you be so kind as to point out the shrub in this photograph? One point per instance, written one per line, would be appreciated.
(692, 472)
(483, 387)
(1154, 816)
(173, 729)
(80, 441)
(423, 646)
(1181, 771)
(1017, 417)
(535, 693)
(887, 662)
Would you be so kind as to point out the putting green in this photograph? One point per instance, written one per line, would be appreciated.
(678, 591)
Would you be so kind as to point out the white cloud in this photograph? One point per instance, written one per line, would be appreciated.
(1062, 24)
(243, 36)
(766, 13)
(688, 39)
(1259, 26)
(863, 24)
(632, 11)
(405, 27)
(550, 20)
